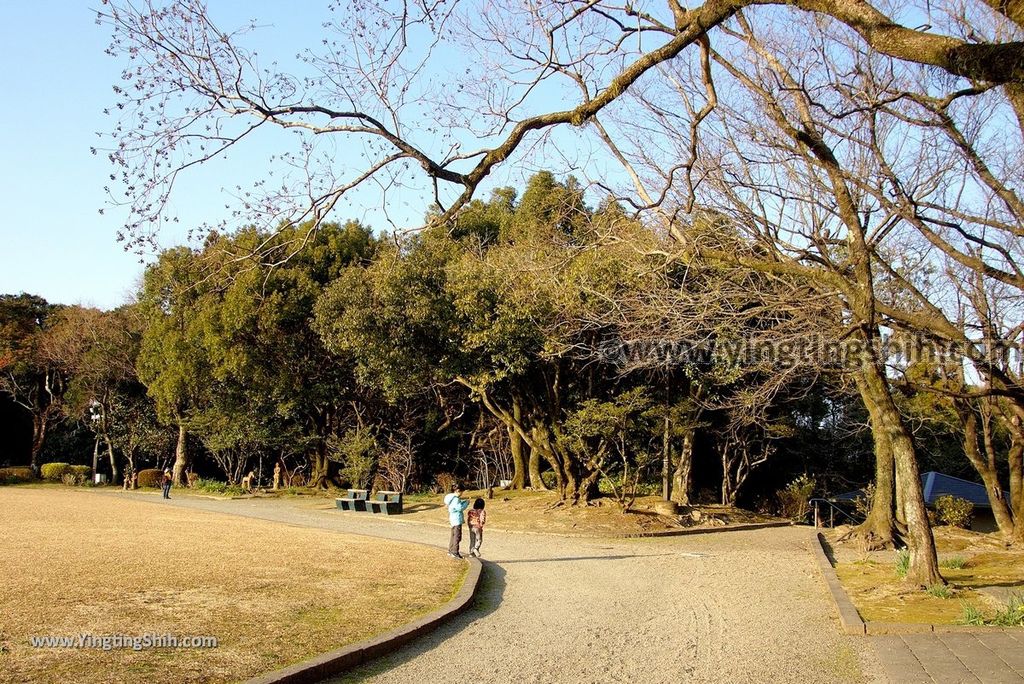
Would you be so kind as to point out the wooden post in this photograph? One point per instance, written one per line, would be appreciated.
(817, 519)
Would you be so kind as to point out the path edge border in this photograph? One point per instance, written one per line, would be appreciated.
(849, 618)
(335, 662)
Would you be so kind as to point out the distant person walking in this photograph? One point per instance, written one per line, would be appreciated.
(456, 506)
(477, 518)
(167, 483)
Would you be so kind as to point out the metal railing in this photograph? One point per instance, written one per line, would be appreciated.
(820, 507)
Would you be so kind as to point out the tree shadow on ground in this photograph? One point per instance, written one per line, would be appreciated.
(585, 558)
(487, 599)
(829, 551)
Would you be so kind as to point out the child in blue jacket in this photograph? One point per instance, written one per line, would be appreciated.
(456, 507)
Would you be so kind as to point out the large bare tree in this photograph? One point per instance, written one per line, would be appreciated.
(385, 80)
(702, 113)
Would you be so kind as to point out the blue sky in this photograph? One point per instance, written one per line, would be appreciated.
(57, 81)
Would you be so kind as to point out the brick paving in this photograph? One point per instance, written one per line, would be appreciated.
(995, 657)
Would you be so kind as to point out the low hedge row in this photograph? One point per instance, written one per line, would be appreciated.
(55, 472)
(16, 474)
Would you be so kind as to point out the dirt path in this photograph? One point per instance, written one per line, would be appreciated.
(729, 607)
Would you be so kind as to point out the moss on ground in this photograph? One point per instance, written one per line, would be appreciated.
(880, 595)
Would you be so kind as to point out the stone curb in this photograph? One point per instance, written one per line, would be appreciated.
(849, 618)
(853, 624)
(335, 662)
(703, 530)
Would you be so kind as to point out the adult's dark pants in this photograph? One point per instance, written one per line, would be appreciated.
(456, 539)
(167, 490)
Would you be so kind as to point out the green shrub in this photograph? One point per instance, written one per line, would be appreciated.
(954, 563)
(210, 486)
(151, 477)
(15, 475)
(55, 472)
(73, 479)
(218, 487)
(902, 563)
(357, 450)
(85, 472)
(794, 498)
(954, 511)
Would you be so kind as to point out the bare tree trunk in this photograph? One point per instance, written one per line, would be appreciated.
(885, 418)
(666, 461)
(180, 458)
(542, 443)
(878, 531)
(727, 494)
(536, 481)
(901, 505)
(1015, 459)
(517, 446)
(320, 469)
(40, 424)
(985, 467)
(682, 477)
(115, 473)
(95, 454)
(1015, 456)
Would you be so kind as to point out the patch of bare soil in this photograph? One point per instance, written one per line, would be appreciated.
(74, 563)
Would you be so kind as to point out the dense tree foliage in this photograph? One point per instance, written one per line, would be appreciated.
(541, 341)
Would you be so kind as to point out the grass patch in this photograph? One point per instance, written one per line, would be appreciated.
(942, 591)
(971, 615)
(272, 594)
(954, 563)
(1012, 615)
(902, 563)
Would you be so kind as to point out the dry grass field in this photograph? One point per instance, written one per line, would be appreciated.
(76, 562)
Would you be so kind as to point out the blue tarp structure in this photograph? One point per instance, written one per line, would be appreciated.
(935, 485)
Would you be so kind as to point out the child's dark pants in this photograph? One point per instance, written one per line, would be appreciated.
(456, 539)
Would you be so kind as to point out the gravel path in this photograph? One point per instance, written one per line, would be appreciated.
(727, 607)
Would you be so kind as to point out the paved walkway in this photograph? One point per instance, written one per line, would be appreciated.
(730, 607)
(737, 606)
(995, 657)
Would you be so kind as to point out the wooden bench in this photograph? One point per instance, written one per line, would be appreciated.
(355, 501)
(388, 503)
